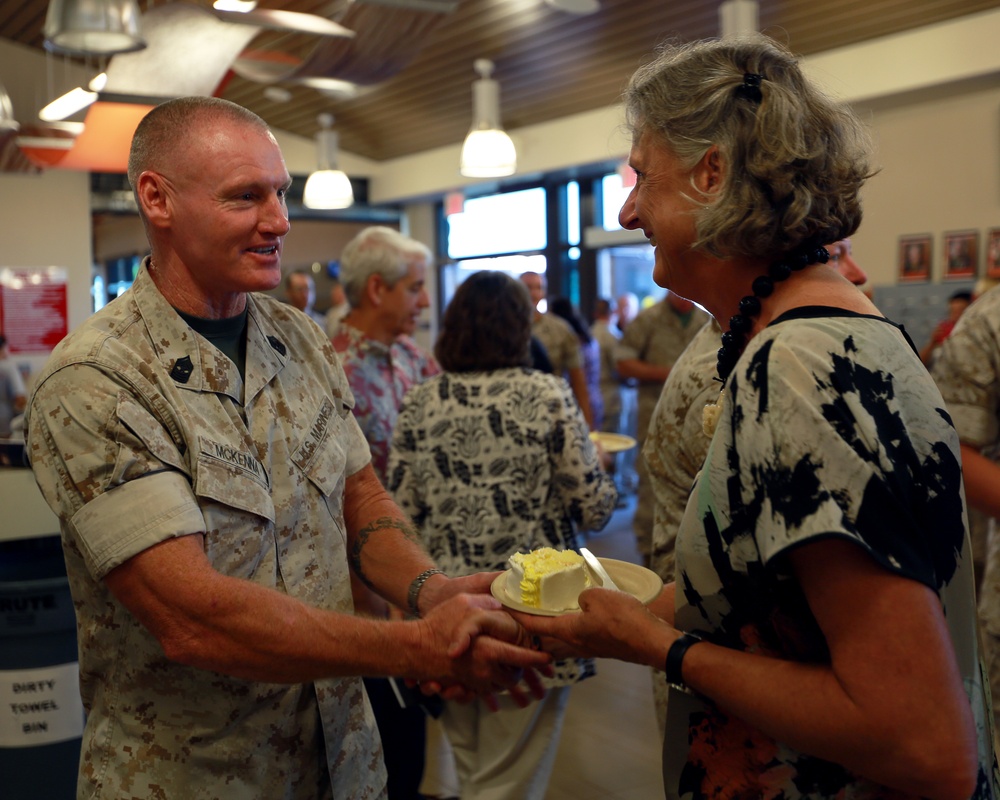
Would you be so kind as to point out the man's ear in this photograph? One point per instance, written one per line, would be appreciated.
(375, 289)
(153, 199)
(709, 171)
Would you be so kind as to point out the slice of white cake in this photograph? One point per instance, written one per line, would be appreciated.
(547, 578)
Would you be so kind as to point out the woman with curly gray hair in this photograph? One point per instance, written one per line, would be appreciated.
(822, 641)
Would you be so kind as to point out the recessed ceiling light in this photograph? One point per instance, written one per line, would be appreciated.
(277, 94)
(579, 7)
(240, 6)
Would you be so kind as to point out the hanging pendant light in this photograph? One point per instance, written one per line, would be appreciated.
(74, 100)
(7, 121)
(93, 27)
(327, 187)
(488, 151)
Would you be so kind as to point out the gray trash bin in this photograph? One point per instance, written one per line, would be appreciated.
(41, 717)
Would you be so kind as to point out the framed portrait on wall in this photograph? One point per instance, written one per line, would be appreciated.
(993, 253)
(915, 257)
(961, 254)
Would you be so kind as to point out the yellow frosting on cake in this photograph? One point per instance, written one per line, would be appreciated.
(539, 566)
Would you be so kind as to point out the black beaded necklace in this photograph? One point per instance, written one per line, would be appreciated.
(735, 339)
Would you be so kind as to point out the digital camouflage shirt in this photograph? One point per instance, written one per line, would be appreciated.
(139, 431)
(831, 427)
(676, 443)
(560, 343)
(967, 371)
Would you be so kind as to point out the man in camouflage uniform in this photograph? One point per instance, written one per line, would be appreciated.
(560, 343)
(967, 371)
(196, 441)
(611, 386)
(648, 349)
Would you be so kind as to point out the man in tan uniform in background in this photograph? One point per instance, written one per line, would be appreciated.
(560, 343)
(967, 371)
(651, 344)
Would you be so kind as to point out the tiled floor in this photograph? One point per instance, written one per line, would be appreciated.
(610, 746)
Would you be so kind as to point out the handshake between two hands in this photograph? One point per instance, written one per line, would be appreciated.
(488, 650)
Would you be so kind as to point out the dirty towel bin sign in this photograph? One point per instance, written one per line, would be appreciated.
(41, 706)
(41, 714)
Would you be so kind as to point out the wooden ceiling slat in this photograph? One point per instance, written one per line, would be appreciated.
(549, 64)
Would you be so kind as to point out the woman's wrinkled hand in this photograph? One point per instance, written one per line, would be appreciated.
(610, 624)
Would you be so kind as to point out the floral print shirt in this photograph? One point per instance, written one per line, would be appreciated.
(380, 375)
(491, 463)
(831, 427)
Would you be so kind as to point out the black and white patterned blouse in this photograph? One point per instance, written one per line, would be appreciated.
(831, 427)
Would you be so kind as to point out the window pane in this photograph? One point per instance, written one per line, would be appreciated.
(573, 213)
(628, 269)
(613, 195)
(452, 275)
(499, 223)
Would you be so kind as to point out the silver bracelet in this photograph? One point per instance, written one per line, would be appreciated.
(414, 591)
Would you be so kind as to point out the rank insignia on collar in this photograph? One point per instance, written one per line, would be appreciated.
(277, 345)
(182, 369)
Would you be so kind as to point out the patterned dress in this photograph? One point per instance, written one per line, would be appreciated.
(831, 427)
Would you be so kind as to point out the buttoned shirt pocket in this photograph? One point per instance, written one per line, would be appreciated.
(230, 474)
(144, 443)
(322, 454)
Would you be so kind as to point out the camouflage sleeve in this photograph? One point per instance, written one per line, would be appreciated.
(358, 452)
(967, 372)
(634, 339)
(676, 443)
(574, 356)
(91, 441)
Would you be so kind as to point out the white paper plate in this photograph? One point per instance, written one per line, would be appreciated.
(613, 442)
(643, 584)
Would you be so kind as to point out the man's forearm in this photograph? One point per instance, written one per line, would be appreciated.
(383, 546)
(982, 481)
(642, 370)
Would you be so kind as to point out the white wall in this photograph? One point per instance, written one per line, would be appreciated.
(940, 171)
(46, 223)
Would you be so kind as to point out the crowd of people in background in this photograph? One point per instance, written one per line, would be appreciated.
(291, 518)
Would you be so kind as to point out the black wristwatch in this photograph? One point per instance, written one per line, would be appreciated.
(675, 657)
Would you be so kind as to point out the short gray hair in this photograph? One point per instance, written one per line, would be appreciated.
(378, 250)
(162, 133)
(795, 160)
